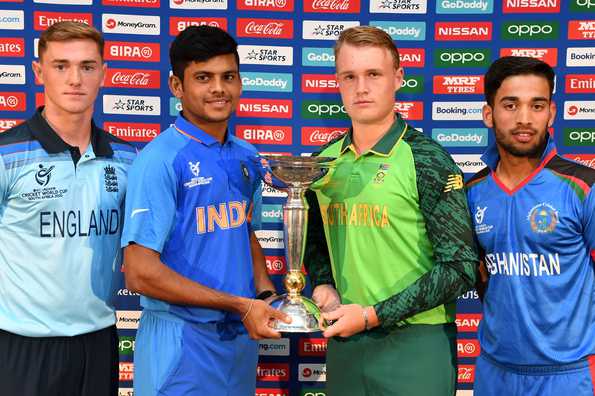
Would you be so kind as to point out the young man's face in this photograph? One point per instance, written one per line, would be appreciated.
(72, 72)
(210, 90)
(368, 81)
(521, 114)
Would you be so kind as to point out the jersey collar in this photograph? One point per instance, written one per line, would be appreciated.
(385, 145)
(53, 144)
(193, 132)
(491, 157)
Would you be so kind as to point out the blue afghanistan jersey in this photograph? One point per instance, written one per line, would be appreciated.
(538, 242)
(61, 217)
(189, 198)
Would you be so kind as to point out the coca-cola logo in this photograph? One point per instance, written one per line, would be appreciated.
(132, 78)
(338, 5)
(466, 373)
(268, 29)
(271, 28)
(138, 79)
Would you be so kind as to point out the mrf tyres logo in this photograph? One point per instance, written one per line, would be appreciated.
(581, 30)
(530, 30)
(548, 55)
(464, 57)
(398, 6)
(458, 84)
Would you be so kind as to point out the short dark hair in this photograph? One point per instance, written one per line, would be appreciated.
(509, 66)
(199, 44)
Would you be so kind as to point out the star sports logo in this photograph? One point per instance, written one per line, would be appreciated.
(265, 55)
(581, 30)
(133, 52)
(332, 6)
(265, 28)
(463, 31)
(399, 6)
(325, 30)
(548, 55)
(265, 5)
(128, 104)
(44, 19)
(530, 6)
(458, 85)
(12, 47)
(13, 101)
(264, 134)
(179, 24)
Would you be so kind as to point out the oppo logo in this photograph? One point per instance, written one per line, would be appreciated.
(327, 109)
(410, 83)
(582, 136)
(585, 3)
(529, 30)
(462, 57)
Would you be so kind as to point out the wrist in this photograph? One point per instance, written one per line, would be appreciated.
(372, 319)
(263, 295)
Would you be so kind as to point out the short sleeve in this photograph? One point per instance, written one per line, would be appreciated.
(589, 221)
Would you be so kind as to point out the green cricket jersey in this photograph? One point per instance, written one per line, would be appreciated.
(396, 222)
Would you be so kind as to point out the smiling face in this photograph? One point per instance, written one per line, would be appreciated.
(521, 113)
(72, 72)
(368, 81)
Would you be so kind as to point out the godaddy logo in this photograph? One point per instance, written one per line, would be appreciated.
(579, 136)
(583, 5)
(465, 57)
(530, 31)
(313, 109)
(412, 84)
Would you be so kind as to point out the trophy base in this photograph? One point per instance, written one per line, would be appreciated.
(304, 314)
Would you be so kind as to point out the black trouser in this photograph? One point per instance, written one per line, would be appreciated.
(83, 365)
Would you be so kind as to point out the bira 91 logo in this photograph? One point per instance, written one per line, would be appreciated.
(467, 348)
(268, 108)
(133, 131)
(464, 57)
(44, 19)
(548, 55)
(332, 6)
(585, 159)
(264, 134)
(265, 28)
(275, 264)
(272, 372)
(466, 373)
(7, 123)
(463, 31)
(126, 370)
(13, 101)
(132, 78)
(458, 84)
(581, 30)
(179, 24)
(580, 83)
(313, 347)
(130, 51)
(523, 30)
(319, 83)
(410, 110)
(12, 47)
(412, 57)
(271, 392)
(530, 6)
(132, 3)
(317, 136)
(265, 5)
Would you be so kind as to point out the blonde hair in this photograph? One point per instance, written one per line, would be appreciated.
(368, 36)
(70, 30)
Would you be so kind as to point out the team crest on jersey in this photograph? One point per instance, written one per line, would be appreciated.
(480, 227)
(543, 218)
(111, 179)
(43, 175)
(381, 173)
(196, 180)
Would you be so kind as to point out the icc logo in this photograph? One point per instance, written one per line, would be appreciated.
(43, 175)
(194, 168)
(543, 218)
(479, 213)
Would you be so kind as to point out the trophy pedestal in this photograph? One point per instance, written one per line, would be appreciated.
(304, 314)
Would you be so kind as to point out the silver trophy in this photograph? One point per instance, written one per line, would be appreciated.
(298, 174)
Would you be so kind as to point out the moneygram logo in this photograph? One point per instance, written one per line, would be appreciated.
(198, 4)
(579, 136)
(412, 57)
(318, 57)
(460, 111)
(127, 319)
(130, 24)
(44, 19)
(132, 78)
(267, 82)
(585, 159)
(270, 239)
(317, 136)
(467, 348)
(464, 6)
(580, 57)
(458, 84)
(548, 55)
(412, 85)
(265, 5)
(265, 55)
(126, 345)
(126, 371)
(265, 28)
(581, 30)
(12, 19)
(580, 83)
(132, 3)
(530, 30)
(313, 347)
(463, 31)
(531, 6)
(579, 110)
(402, 31)
(272, 372)
(275, 264)
(264, 134)
(133, 131)
(130, 51)
(12, 74)
(332, 6)
(466, 373)
(465, 57)
(7, 123)
(311, 372)
(179, 24)
(469, 163)
(467, 323)
(316, 109)
(410, 110)
(128, 104)
(325, 30)
(319, 83)
(274, 347)
(461, 137)
(398, 6)
(268, 108)
(13, 101)
(12, 47)
(582, 5)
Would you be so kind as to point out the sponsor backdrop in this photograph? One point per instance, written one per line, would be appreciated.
(291, 103)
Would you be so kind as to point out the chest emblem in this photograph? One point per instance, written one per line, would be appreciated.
(381, 173)
(196, 180)
(480, 227)
(543, 218)
(43, 175)
(111, 179)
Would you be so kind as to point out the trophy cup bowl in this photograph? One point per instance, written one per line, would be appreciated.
(298, 174)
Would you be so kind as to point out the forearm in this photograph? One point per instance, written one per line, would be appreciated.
(262, 281)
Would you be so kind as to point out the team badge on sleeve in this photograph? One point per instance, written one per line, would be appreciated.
(454, 182)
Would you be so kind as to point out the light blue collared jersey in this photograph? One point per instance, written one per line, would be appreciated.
(60, 225)
(188, 199)
(538, 243)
